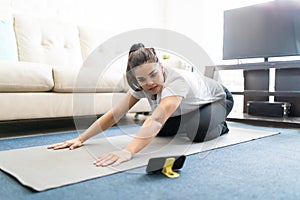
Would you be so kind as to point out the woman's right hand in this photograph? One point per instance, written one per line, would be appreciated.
(71, 144)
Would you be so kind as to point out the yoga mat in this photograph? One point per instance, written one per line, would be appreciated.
(40, 168)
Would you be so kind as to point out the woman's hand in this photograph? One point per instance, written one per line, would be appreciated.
(71, 144)
(113, 158)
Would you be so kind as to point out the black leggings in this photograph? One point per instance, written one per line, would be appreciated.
(203, 124)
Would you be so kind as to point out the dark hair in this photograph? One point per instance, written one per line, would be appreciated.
(138, 55)
(136, 47)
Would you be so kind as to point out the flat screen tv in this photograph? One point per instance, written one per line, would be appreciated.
(270, 29)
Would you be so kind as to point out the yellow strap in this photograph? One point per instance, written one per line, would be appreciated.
(167, 169)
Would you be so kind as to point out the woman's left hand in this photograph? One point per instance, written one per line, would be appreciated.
(113, 158)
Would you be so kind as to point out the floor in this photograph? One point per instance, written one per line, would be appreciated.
(267, 168)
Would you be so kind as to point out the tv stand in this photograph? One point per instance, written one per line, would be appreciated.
(256, 87)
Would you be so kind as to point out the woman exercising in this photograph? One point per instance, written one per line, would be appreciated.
(180, 100)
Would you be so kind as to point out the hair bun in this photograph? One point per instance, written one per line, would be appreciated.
(135, 47)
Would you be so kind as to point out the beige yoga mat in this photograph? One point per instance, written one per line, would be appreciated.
(42, 169)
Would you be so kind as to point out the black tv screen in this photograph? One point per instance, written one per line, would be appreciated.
(264, 30)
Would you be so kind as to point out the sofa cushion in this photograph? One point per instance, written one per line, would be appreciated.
(8, 47)
(87, 80)
(25, 77)
(91, 38)
(47, 41)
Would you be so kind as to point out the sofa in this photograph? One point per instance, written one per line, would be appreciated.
(40, 62)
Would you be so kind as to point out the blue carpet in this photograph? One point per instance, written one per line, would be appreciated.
(267, 168)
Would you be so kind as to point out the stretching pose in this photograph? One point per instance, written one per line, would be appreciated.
(180, 100)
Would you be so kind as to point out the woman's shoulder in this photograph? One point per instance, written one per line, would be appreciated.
(178, 78)
(175, 74)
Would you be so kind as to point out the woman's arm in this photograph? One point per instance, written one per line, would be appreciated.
(101, 124)
(153, 124)
(110, 118)
(149, 130)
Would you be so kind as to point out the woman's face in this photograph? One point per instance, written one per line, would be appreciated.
(150, 76)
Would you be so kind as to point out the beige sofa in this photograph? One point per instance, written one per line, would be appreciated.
(39, 66)
(40, 63)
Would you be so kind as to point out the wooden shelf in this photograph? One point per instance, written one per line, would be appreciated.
(276, 121)
(260, 65)
(267, 93)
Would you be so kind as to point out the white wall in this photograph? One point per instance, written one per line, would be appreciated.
(200, 20)
(114, 14)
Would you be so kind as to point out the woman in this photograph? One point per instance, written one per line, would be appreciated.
(180, 100)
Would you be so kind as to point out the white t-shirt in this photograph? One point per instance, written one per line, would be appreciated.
(196, 90)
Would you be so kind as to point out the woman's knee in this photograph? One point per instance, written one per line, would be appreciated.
(171, 127)
(205, 125)
(198, 136)
(205, 135)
